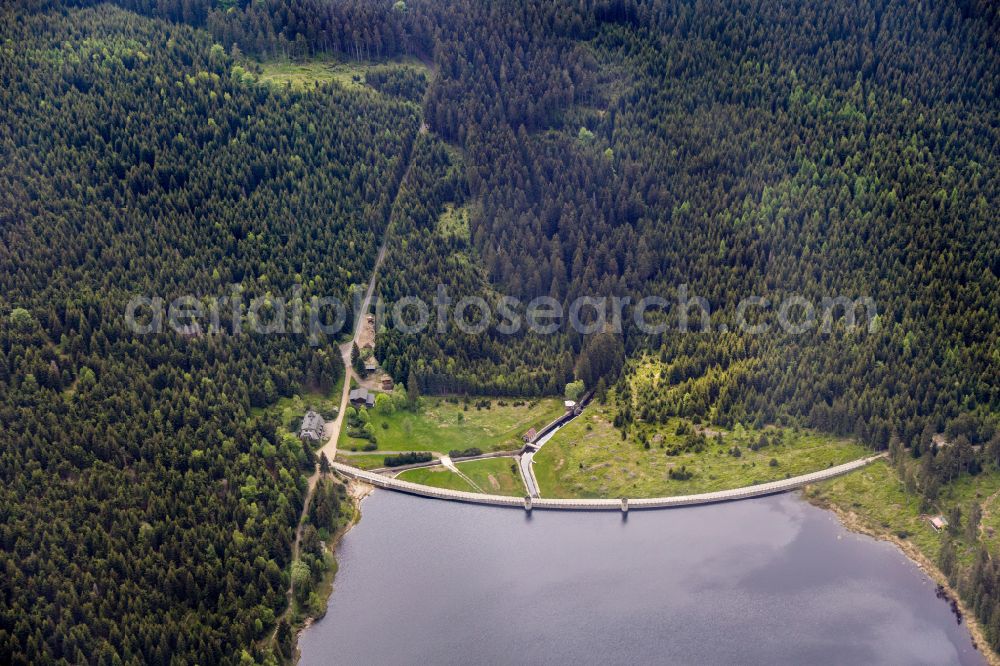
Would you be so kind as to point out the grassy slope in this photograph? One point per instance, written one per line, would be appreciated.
(879, 500)
(492, 475)
(439, 477)
(371, 460)
(596, 462)
(454, 222)
(442, 426)
(303, 75)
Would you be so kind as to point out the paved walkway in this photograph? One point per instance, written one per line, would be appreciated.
(527, 460)
(771, 488)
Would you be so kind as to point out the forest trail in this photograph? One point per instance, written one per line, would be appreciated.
(333, 429)
(987, 513)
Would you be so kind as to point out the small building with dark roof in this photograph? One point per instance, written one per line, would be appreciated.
(362, 397)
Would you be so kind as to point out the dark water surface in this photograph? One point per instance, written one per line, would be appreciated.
(765, 581)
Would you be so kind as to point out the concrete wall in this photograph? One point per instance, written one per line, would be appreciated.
(610, 504)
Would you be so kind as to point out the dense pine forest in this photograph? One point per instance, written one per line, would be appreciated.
(608, 148)
(147, 511)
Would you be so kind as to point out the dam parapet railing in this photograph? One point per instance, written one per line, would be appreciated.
(605, 504)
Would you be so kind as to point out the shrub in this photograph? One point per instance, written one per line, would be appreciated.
(681, 473)
(465, 453)
(407, 458)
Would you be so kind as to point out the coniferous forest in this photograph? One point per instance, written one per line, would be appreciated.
(597, 147)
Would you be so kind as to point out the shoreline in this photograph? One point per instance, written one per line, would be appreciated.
(357, 491)
(856, 523)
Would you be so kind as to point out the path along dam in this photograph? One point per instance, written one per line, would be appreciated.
(608, 504)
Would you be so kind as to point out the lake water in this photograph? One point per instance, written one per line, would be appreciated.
(765, 581)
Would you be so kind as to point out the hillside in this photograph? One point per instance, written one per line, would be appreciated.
(727, 150)
(144, 513)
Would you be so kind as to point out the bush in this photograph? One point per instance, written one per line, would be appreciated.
(574, 390)
(681, 473)
(384, 404)
(760, 443)
(407, 458)
(465, 453)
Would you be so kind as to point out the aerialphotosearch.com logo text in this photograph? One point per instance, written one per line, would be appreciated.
(318, 317)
